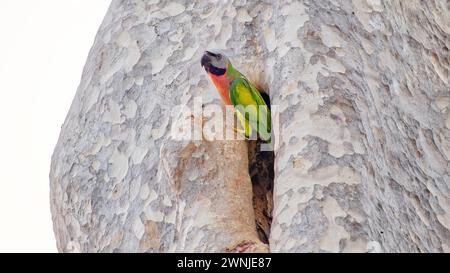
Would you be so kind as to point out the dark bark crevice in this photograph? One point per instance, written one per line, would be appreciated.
(262, 174)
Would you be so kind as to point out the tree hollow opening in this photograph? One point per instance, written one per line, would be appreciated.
(261, 171)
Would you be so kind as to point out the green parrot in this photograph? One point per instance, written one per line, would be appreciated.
(235, 89)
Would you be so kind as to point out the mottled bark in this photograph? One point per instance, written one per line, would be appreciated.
(363, 162)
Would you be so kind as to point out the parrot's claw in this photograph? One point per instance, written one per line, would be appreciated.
(239, 131)
(236, 130)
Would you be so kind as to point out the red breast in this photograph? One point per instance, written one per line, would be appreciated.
(223, 86)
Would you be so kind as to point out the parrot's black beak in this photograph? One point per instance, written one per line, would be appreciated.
(206, 61)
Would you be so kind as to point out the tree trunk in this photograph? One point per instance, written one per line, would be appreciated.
(362, 162)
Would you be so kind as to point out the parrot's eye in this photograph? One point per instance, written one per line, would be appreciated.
(219, 56)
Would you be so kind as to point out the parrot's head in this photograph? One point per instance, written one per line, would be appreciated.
(215, 62)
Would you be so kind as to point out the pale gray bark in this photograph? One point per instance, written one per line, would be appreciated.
(363, 164)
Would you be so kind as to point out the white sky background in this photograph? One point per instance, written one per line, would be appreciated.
(43, 47)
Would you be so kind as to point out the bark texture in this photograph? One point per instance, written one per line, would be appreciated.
(364, 142)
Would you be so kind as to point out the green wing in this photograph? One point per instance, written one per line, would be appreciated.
(247, 100)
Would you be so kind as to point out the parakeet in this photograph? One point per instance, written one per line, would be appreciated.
(235, 89)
